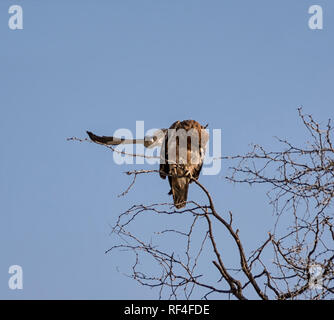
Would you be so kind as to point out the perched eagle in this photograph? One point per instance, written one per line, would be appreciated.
(182, 153)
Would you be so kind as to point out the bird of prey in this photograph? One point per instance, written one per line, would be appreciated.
(181, 157)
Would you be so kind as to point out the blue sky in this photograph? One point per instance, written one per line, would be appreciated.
(241, 66)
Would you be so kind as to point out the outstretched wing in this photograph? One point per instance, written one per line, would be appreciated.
(104, 139)
(149, 141)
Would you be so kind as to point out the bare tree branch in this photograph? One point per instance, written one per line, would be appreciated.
(301, 187)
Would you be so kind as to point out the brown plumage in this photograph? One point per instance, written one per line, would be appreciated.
(182, 155)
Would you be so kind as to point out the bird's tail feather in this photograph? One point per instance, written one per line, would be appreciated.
(180, 191)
